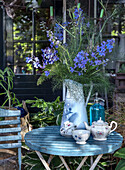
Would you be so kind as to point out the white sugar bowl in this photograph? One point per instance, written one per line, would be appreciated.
(80, 135)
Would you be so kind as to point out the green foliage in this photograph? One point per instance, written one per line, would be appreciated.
(6, 82)
(121, 165)
(122, 69)
(31, 161)
(120, 154)
(50, 112)
(39, 2)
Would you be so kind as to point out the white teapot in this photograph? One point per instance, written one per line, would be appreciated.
(100, 129)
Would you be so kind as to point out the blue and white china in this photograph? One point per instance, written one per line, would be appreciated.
(81, 135)
(100, 129)
(67, 129)
(75, 107)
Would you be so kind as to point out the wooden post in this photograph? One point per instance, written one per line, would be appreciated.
(64, 38)
(95, 11)
(64, 20)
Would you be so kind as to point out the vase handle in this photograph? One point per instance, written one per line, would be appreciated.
(64, 91)
(89, 94)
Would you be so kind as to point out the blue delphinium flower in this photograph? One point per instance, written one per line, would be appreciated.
(35, 61)
(58, 32)
(109, 45)
(98, 62)
(82, 54)
(79, 73)
(54, 41)
(95, 58)
(71, 69)
(46, 73)
(28, 59)
(80, 61)
(93, 55)
(88, 24)
(76, 13)
(49, 56)
(101, 50)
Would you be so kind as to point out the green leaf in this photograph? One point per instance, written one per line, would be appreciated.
(58, 120)
(36, 105)
(57, 99)
(39, 2)
(50, 109)
(32, 155)
(100, 166)
(32, 162)
(37, 166)
(30, 101)
(56, 162)
(120, 153)
(121, 165)
(2, 93)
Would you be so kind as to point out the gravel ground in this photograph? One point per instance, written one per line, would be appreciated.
(8, 160)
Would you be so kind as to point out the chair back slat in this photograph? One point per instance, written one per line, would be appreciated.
(10, 130)
(9, 113)
(10, 145)
(10, 122)
(11, 138)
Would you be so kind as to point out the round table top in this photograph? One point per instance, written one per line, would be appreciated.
(48, 140)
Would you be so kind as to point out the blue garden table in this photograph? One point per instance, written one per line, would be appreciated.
(48, 140)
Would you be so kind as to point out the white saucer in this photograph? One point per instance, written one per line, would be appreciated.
(80, 142)
(100, 139)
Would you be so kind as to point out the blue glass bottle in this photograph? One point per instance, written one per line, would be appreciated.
(97, 111)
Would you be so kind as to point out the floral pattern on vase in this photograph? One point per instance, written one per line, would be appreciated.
(74, 108)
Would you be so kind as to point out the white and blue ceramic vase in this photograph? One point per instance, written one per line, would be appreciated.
(74, 108)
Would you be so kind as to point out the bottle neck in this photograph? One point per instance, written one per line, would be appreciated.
(96, 101)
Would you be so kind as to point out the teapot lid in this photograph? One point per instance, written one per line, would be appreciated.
(100, 122)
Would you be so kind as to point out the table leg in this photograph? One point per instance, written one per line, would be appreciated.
(43, 160)
(91, 158)
(93, 165)
(64, 162)
(82, 163)
(50, 158)
(95, 162)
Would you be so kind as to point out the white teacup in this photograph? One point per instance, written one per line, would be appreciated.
(81, 136)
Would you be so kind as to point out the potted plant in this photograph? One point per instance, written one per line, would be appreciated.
(6, 83)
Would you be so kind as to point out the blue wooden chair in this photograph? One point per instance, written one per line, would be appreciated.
(12, 128)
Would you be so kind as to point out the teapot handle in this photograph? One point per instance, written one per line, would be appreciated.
(111, 126)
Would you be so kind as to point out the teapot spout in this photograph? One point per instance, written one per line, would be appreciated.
(87, 127)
